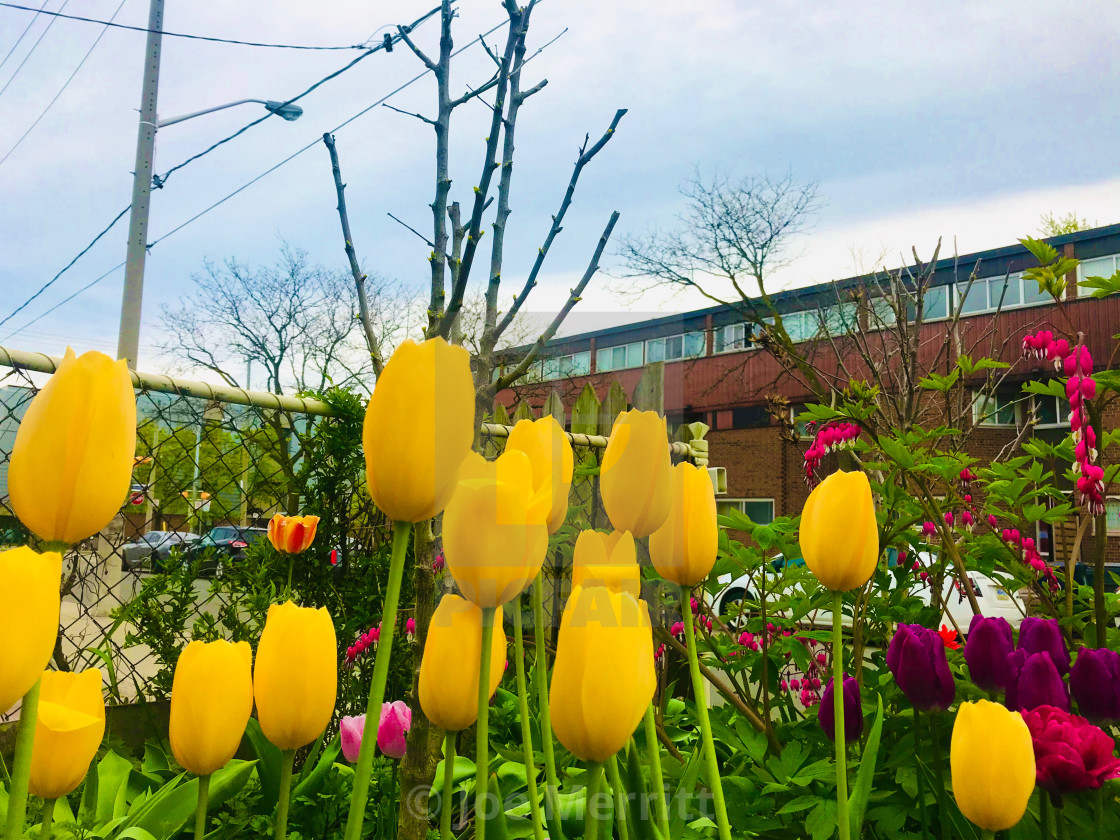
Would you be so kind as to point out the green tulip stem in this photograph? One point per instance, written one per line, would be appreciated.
(1098, 813)
(843, 826)
(939, 765)
(620, 814)
(1044, 813)
(920, 775)
(47, 826)
(653, 748)
(702, 716)
(21, 764)
(288, 590)
(1060, 821)
(987, 834)
(448, 786)
(287, 760)
(482, 755)
(526, 730)
(540, 675)
(200, 807)
(591, 803)
(364, 768)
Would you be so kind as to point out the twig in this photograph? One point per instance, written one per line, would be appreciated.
(352, 256)
(407, 226)
(585, 157)
(420, 117)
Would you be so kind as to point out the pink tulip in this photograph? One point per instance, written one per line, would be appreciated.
(351, 729)
(392, 731)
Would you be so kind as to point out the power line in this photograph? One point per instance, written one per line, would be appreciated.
(26, 29)
(66, 84)
(212, 39)
(64, 301)
(39, 40)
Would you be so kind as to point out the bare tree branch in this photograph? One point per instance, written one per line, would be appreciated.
(420, 117)
(352, 256)
(409, 227)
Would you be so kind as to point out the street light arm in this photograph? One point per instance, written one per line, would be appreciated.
(193, 114)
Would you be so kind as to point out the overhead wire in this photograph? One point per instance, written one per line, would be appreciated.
(34, 46)
(23, 34)
(65, 84)
(168, 34)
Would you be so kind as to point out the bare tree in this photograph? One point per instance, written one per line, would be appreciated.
(294, 322)
(1051, 225)
(457, 235)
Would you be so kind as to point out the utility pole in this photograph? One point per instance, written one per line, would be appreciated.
(128, 340)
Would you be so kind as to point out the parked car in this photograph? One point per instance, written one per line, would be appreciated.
(222, 544)
(992, 597)
(154, 547)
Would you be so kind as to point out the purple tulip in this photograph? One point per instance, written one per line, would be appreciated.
(1042, 635)
(986, 651)
(916, 657)
(1035, 681)
(1094, 680)
(853, 712)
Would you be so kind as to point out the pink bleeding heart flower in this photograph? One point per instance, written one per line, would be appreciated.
(410, 629)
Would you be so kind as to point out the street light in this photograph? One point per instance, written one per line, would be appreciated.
(128, 339)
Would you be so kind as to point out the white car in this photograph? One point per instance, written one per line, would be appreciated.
(991, 596)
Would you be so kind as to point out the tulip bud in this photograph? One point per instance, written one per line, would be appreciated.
(601, 633)
(494, 532)
(29, 606)
(71, 464)
(68, 731)
(992, 762)
(392, 729)
(295, 679)
(987, 652)
(636, 475)
(839, 538)
(853, 711)
(550, 455)
(916, 657)
(350, 731)
(683, 549)
(1094, 680)
(426, 388)
(292, 534)
(607, 560)
(211, 700)
(1033, 681)
(1042, 635)
(448, 686)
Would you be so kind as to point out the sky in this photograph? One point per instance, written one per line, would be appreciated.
(963, 121)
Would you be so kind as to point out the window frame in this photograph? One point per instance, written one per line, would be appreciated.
(747, 339)
(741, 503)
(599, 368)
(1024, 403)
(990, 307)
(1115, 266)
(683, 338)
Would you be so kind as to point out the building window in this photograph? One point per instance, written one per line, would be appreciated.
(733, 337)
(1098, 267)
(689, 345)
(560, 367)
(750, 417)
(882, 313)
(1112, 508)
(799, 425)
(1009, 406)
(935, 304)
(759, 511)
(620, 357)
(1005, 291)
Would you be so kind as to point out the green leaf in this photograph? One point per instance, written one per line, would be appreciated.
(496, 828)
(1045, 387)
(641, 809)
(821, 822)
(311, 781)
(136, 833)
(800, 803)
(937, 382)
(1044, 252)
(896, 451)
(678, 807)
(861, 791)
(464, 769)
(171, 807)
(112, 775)
(269, 760)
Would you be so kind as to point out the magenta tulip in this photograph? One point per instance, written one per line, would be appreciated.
(1070, 753)
(392, 731)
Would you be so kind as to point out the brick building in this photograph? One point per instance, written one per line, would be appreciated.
(717, 372)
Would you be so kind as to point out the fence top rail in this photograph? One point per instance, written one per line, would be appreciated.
(42, 363)
(676, 447)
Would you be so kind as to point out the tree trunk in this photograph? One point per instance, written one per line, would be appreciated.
(418, 767)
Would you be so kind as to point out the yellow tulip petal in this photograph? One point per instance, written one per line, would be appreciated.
(683, 549)
(993, 766)
(839, 537)
(68, 731)
(211, 700)
(550, 453)
(635, 477)
(29, 605)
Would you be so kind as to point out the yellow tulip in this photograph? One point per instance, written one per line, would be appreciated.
(71, 465)
(608, 560)
(992, 761)
(29, 601)
(839, 538)
(636, 477)
(603, 679)
(295, 677)
(452, 660)
(494, 532)
(419, 426)
(292, 534)
(683, 549)
(550, 454)
(211, 700)
(68, 731)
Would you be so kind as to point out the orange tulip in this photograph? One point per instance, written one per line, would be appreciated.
(292, 534)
